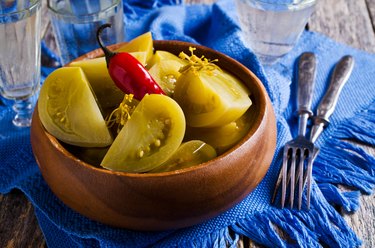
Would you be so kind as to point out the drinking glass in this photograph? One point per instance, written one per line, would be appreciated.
(20, 23)
(75, 24)
(271, 28)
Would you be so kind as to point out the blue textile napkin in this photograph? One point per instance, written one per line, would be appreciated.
(339, 162)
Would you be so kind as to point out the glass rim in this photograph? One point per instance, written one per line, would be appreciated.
(35, 4)
(81, 17)
(293, 4)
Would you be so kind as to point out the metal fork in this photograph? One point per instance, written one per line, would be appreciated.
(301, 150)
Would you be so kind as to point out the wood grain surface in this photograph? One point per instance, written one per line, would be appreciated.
(348, 21)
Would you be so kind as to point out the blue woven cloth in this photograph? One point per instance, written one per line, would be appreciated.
(339, 162)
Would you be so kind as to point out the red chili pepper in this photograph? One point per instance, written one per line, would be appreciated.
(127, 72)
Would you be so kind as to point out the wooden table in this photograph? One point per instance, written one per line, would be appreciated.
(348, 21)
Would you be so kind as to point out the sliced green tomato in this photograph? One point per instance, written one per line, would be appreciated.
(142, 43)
(101, 83)
(160, 55)
(224, 137)
(68, 109)
(108, 94)
(189, 154)
(141, 57)
(152, 134)
(211, 99)
(166, 72)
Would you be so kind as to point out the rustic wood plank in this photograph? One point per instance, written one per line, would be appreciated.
(345, 21)
(362, 222)
(19, 227)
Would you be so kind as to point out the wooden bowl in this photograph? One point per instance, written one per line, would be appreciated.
(168, 200)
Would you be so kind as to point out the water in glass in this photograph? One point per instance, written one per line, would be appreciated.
(20, 56)
(271, 28)
(75, 24)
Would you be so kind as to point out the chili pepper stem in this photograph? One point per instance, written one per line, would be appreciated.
(107, 53)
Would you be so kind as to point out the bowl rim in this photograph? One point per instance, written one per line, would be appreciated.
(254, 127)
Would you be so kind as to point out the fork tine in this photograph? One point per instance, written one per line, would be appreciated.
(292, 176)
(311, 158)
(280, 177)
(300, 179)
(284, 175)
(308, 177)
(277, 186)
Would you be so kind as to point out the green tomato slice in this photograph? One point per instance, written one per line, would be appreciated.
(161, 55)
(101, 83)
(152, 134)
(141, 43)
(69, 111)
(224, 137)
(190, 153)
(211, 98)
(166, 72)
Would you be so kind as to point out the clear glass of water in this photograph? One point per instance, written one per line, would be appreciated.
(75, 24)
(271, 28)
(20, 23)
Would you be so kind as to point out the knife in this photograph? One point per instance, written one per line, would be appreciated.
(327, 105)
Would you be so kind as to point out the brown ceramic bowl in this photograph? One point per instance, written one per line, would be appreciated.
(166, 200)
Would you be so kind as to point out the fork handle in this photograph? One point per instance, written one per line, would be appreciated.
(306, 79)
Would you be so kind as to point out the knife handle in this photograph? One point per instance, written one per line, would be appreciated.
(305, 88)
(340, 76)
